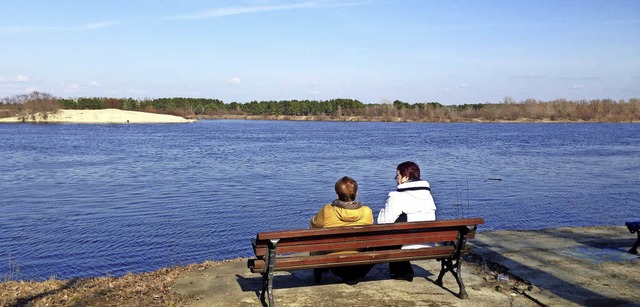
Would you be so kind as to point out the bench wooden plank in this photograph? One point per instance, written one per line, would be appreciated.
(284, 234)
(335, 260)
(354, 243)
(341, 234)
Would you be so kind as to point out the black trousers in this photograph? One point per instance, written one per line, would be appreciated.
(346, 273)
(403, 267)
(400, 268)
(352, 272)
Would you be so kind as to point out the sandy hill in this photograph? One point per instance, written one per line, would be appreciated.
(103, 116)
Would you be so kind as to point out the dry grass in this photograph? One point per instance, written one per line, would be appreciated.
(145, 289)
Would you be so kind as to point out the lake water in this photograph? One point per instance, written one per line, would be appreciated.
(94, 200)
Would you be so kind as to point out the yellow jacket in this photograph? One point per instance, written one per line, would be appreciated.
(340, 213)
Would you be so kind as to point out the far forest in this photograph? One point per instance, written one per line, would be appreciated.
(342, 109)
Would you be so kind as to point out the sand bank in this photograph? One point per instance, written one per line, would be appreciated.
(103, 116)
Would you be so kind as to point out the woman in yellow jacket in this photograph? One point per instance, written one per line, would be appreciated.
(344, 211)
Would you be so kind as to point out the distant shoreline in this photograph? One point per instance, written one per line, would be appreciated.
(117, 116)
(102, 116)
(386, 119)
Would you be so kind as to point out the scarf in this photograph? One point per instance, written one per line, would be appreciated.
(347, 204)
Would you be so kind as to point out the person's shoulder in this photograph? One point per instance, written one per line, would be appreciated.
(391, 193)
(414, 184)
(325, 207)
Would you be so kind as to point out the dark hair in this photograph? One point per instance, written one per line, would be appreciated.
(409, 169)
(347, 189)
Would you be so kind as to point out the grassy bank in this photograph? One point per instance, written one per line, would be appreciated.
(145, 289)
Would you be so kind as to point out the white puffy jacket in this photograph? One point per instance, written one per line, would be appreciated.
(412, 198)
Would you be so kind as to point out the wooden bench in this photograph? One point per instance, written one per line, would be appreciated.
(634, 227)
(288, 250)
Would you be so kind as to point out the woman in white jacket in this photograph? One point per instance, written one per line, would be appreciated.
(411, 202)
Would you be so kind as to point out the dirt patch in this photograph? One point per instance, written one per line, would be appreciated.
(146, 289)
(232, 284)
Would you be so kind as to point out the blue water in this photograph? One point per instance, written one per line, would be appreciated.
(94, 200)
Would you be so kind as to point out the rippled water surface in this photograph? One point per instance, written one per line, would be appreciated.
(91, 200)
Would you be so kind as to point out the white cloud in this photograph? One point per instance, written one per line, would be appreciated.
(529, 76)
(136, 91)
(21, 78)
(235, 80)
(581, 78)
(241, 10)
(576, 87)
(89, 26)
(97, 25)
(238, 10)
(94, 83)
(72, 87)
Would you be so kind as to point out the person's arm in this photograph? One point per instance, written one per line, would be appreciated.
(317, 221)
(390, 212)
(368, 219)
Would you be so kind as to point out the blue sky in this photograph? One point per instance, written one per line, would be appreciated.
(452, 52)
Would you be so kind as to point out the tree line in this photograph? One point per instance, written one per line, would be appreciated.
(595, 110)
(194, 107)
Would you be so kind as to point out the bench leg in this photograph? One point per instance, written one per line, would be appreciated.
(634, 248)
(458, 275)
(267, 288)
(265, 283)
(270, 289)
(453, 266)
(271, 265)
(443, 270)
(634, 227)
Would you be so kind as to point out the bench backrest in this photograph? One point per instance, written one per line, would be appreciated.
(359, 237)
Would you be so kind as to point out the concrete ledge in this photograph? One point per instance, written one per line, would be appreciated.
(556, 267)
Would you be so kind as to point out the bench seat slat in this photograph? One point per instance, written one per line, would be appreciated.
(334, 260)
(364, 236)
(350, 243)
